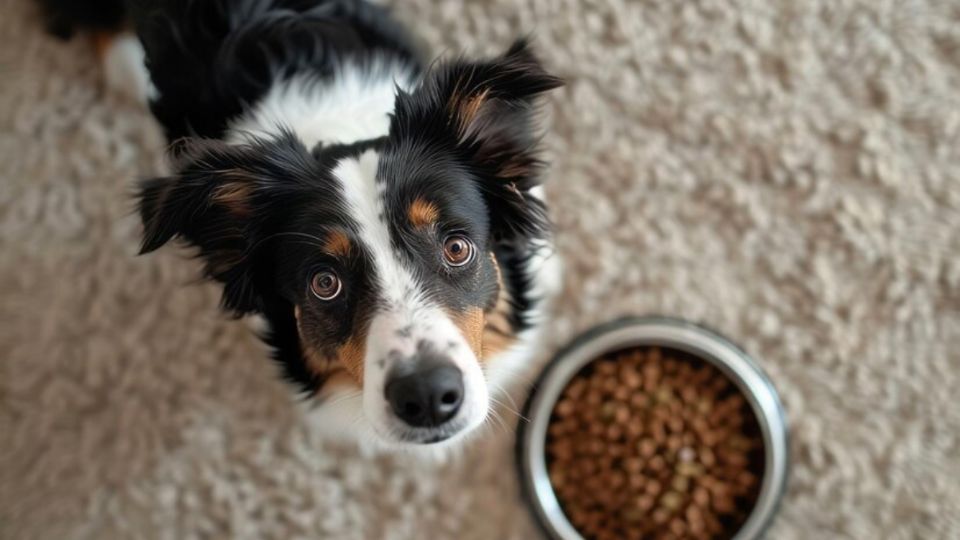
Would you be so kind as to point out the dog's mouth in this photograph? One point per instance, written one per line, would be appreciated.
(432, 435)
(430, 439)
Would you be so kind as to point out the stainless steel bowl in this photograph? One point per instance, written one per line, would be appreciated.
(667, 333)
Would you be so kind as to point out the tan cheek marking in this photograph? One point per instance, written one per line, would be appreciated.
(350, 355)
(488, 333)
(497, 332)
(470, 323)
(338, 244)
(349, 358)
(422, 213)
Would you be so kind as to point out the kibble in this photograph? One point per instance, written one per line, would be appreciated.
(663, 443)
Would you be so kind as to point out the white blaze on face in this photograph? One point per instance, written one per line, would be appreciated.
(405, 316)
(352, 105)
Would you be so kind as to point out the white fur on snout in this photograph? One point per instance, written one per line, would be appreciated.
(394, 341)
(406, 317)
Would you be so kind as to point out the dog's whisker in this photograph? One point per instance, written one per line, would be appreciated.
(501, 422)
(505, 393)
(342, 398)
(505, 406)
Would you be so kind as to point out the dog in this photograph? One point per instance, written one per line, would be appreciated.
(383, 216)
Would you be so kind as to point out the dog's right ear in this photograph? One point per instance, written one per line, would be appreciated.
(220, 201)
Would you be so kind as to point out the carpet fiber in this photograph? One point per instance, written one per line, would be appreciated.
(785, 172)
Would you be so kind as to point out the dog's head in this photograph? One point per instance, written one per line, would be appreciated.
(378, 264)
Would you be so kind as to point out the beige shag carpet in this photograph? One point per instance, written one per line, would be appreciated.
(787, 172)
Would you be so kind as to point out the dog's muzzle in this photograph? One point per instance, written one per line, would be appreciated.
(428, 393)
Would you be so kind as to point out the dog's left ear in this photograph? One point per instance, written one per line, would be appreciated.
(487, 108)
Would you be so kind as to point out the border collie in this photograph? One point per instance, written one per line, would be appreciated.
(381, 215)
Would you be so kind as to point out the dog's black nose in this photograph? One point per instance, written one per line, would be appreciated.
(427, 397)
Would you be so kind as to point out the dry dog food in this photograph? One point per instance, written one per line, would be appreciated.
(649, 443)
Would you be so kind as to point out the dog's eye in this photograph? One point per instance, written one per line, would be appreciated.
(457, 250)
(325, 285)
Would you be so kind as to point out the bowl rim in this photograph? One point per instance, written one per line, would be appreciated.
(669, 332)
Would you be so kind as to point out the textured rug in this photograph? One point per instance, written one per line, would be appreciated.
(786, 172)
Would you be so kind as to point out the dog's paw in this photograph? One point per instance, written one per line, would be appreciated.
(124, 69)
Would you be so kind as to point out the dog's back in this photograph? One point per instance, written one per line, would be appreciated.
(210, 60)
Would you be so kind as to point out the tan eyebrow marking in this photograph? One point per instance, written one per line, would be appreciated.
(337, 244)
(422, 213)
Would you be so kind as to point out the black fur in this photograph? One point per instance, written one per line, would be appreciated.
(333, 153)
(513, 259)
(499, 143)
(264, 251)
(65, 17)
(210, 58)
(257, 212)
(278, 174)
(263, 248)
(497, 150)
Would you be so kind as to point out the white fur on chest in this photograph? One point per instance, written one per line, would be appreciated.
(354, 104)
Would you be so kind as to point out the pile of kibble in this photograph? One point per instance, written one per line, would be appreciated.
(648, 443)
